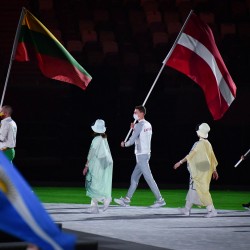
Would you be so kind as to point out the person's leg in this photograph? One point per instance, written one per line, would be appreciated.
(186, 210)
(10, 153)
(191, 198)
(135, 177)
(145, 169)
(94, 206)
(211, 212)
(106, 203)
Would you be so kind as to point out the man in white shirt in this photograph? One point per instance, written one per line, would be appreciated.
(141, 137)
(8, 131)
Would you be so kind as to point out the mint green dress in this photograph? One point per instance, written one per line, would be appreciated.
(100, 172)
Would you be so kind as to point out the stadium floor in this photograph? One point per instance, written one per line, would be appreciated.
(137, 228)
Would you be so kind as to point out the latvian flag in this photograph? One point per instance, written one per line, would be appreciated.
(197, 56)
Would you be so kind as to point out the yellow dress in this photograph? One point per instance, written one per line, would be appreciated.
(202, 162)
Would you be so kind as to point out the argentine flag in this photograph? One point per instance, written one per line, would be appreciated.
(22, 214)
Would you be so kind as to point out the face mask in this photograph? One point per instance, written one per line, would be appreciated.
(1, 114)
(136, 117)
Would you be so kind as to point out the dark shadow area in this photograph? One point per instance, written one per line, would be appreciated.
(122, 45)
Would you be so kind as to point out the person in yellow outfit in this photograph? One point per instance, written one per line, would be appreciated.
(201, 163)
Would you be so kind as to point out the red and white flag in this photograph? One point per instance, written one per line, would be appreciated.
(197, 56)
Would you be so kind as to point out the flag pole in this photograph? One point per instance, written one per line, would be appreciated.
(12, 57)
(236, 165)
(177, 38)
(163, 65)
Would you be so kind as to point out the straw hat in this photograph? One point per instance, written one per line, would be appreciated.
(203, 130)
(99, 126)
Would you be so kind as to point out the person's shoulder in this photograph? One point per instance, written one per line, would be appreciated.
(96, 138)
(11, 120)
(146, 122)
(6, 121)
(205, 142)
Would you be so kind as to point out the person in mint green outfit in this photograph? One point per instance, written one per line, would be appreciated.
(8, 131)
(99, 169)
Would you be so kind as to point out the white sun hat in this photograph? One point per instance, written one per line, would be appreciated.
(203, 130)
(99, 126)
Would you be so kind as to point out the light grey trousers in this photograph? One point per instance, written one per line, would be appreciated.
(142, 168)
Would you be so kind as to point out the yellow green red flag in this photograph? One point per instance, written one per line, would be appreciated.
(54, 60)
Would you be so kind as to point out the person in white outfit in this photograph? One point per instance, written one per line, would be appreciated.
(141, 137)
(8, 132)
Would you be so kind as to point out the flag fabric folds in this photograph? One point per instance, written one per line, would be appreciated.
(22, 214)
(197, 56)
(54, 60)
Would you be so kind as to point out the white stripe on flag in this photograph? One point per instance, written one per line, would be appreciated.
(24, 212)
(198, 48)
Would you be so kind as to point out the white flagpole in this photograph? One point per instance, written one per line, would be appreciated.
(13, 53)
(237, 164)
(163, 65)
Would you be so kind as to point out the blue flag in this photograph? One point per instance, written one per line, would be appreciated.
(23, 215)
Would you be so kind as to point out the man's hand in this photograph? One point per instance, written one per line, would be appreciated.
(122, 144)
(132, 125)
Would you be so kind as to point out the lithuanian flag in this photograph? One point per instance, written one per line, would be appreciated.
(54, 60)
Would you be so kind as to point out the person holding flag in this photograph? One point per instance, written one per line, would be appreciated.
(141, 137)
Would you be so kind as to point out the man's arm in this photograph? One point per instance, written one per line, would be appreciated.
(135, 134)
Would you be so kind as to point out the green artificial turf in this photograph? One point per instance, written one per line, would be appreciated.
(223, 199)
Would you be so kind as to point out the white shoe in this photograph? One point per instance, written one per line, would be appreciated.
(106, 204)
(159, 203)
(93, 210)
(124, 202)
(211, 214)
(184, 211)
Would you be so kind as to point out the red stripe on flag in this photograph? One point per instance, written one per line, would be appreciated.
(191, 66)
(202, 62)
(21, 53)
(64, 71)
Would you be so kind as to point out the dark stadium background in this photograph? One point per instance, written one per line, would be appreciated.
(54, 118)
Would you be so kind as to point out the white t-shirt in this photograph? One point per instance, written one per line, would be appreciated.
(8, 131)
(141, 137)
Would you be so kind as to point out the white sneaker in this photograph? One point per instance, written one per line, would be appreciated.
(93, 210)
(106, 203)
(124, 202)
(159, 203)
(184, 211)
(211, 214)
